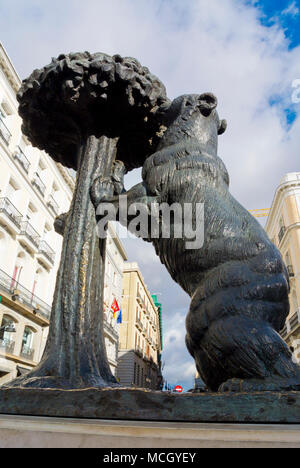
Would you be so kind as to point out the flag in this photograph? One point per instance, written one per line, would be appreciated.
(120, 317)
(115, 307)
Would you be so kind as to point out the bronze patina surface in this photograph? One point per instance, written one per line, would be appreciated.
(103, 116)
(135, 404)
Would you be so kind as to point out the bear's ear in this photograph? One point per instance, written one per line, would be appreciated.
(207, 103)
(222, 128)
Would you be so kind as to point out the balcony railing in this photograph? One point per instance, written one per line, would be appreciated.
(139, 351)
(111, 330)
(139, 324)
(22, 160)
(46, 250)
(281, 233)
(13, 214)
(291, 324)
(9, 286)
(290, 271)
(53, 205)
(39, 184)
(7, 345)
(4, 132)
(27, 352)
(28, 231)
(294, 321)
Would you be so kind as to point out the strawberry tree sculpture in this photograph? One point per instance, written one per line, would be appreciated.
(86, 111)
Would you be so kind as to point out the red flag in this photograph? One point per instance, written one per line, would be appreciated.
(115, 307)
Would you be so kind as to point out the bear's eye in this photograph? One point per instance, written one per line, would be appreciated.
(188, 103)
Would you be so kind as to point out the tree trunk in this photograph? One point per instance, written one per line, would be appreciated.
(75, 354)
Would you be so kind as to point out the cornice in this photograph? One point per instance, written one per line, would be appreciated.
(9, 70)
(280, 192)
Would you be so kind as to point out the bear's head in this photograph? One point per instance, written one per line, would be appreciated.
(193, 116)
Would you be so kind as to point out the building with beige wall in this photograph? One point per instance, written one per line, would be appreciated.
(283, 228)
(140, 340)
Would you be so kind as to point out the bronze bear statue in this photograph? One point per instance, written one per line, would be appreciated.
(237, 281)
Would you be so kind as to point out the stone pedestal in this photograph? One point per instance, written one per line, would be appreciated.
(145, 405)
(42, 432)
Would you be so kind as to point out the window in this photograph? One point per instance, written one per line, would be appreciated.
(5, 334)
(12, 190)
(20, 263)
(6, 109)
(294, 301)
(27, 338)
(27, 350)
(4, 131)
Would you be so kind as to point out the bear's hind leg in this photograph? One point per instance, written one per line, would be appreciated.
(254, 357)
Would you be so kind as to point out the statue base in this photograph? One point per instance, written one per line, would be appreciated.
(43, 432)
(142, 405)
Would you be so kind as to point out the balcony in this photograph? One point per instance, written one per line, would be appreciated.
(139, 299)
(27, 353)
(291, 325)
(7, 345)
(39, 184)
(290, 271)
(139, 324)
(4, 132)
(10, 217)
(281, 233)
(29, 238)
(9, 286)
(20, 157)
(139, 351)
(46, 255)
(53, 205)
(110, 330)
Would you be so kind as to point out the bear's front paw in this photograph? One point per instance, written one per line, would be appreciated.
(101, 189)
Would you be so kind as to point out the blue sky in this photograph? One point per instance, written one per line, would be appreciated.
(246, 52)
(285, 12)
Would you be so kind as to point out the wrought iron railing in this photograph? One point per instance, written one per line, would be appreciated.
(10, 286)
(31, 234)
(13, 214)
(46, 250)
(22, 160)
(27, 352)
(139, 324)
(4, 132)
(8, 345)
(281, 233)
(294, 321)
(39, 184)
(53, 204)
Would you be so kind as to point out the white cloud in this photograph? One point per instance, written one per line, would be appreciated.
(291, 10)
(193, 46)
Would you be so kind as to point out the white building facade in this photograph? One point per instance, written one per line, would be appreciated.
(113, 287)
(33, 191)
